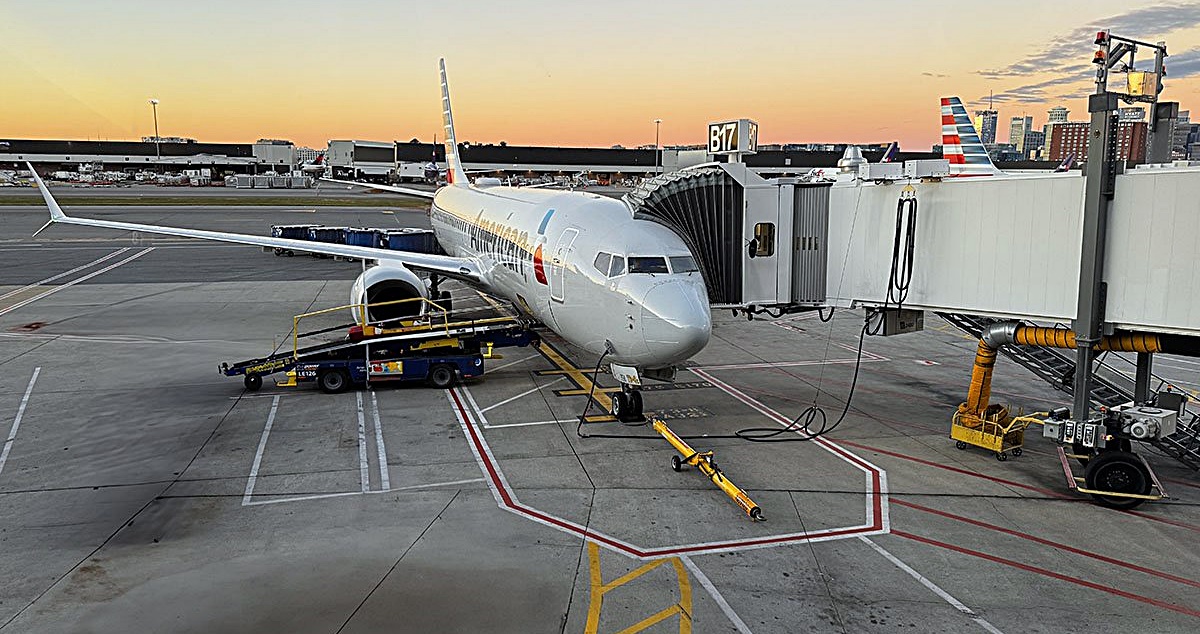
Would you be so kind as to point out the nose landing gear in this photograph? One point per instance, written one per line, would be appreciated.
(627, 404)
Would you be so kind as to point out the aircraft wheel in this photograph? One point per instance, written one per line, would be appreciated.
(1119, 472)
(333, 381)
(621, 406)
(441, 376)
(252, 382)
(635, 403)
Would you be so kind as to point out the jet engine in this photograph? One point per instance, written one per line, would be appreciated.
(388, 283)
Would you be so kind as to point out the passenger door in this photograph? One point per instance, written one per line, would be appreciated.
(558, 263)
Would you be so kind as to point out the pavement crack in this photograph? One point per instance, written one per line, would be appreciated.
(398, 560)
(841, 623)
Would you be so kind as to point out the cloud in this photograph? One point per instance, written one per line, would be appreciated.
(1183, 64)
(1071, 48)
(938, 75)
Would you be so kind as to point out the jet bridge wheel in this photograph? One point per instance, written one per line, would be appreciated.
(1119, 472)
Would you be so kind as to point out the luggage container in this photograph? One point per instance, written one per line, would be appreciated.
(244, 181)
(415, 240)
(292, 232)
(280, 182)
(301, 182)
(331, 235)
(364, 237)
(262, 182)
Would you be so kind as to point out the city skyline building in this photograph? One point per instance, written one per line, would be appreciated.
(985, 124)
(1017, 130)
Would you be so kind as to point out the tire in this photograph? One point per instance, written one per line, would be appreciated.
(1120, 472)
(960, 445)
(1017, 451)
(635, 404)
(620, 406)
(445, 301)
(441, 376)
(333, 381)
(1001, 456)
(676, 463)
(252, 382)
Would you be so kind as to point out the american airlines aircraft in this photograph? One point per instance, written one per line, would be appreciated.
(962, 146)
(577, 262)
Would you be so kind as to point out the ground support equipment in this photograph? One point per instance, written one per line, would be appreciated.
(705, 463)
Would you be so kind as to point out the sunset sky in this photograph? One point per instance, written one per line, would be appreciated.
(558, 73)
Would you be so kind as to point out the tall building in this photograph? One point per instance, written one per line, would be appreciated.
(1017, 130)
(1058, 114)
(985, 124)
(1035, 140)
(1181, 133)
(1055, 116)
(1071, 139)
(306, 154)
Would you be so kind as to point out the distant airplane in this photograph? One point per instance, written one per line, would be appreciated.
(829, 174)
(315, 166)
(1066, 164)
(960, 142)
(625, 289)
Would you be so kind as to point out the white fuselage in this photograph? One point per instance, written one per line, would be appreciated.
(543, 250)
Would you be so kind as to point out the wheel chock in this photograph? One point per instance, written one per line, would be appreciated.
(290, 381)
(705, 463)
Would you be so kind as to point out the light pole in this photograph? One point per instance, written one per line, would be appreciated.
(657, 151)
(157, 149)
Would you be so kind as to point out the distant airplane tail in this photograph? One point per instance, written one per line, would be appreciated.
(890, 153)
(960, 142)
(455, 174)
(1067, 164)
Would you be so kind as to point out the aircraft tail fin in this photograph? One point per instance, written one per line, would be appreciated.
(960, 142)
(890, 153)
(455, 175)
(1066, 164)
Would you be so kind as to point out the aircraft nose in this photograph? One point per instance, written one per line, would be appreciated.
(675, 321)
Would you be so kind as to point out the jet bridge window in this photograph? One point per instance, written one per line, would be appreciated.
(763, 245)
(683, 264)
(648, 265)
(603, 260)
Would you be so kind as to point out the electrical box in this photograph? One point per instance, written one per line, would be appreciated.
(927, 168)
(1146, 423)
(900, 321)
(882, 171)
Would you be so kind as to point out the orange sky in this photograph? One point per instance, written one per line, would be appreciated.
(554, 73)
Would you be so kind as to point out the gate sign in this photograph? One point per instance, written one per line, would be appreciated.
(733, 137)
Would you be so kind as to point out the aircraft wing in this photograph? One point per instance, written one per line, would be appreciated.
(418, 193)
(465, 269)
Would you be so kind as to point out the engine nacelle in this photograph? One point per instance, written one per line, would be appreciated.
(388, 283)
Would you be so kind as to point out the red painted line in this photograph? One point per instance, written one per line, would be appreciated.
(1144, 515)
(1053, 544)
(510, 503)
(957, 470)
(1049, 573)
(1183, 482)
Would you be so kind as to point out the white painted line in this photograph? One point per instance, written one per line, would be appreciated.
(385, 480)
(65, 273)
(75, 281)
(321, 496)
(364, 467)
(510, 363)
(539, 422)
(716, 595)
(525, 393)
(12, 433)
(262, 445)
(933, 587)
(787, 364)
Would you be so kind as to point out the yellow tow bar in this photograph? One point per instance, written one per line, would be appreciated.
(705, 463)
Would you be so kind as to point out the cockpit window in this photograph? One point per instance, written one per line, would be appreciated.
(602, 262)
(683, 264)
(647, 265)
(617, 267)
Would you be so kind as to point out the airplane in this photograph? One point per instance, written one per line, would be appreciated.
(628, 290)
(828, 174)
(966, 153)
(315, 166)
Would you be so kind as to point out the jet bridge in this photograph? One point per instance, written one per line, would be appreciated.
(758, 242)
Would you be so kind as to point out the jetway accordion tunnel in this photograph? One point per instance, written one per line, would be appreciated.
(1015, 333)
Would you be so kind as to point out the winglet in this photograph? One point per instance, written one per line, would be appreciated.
(455, 175)
(56, 212)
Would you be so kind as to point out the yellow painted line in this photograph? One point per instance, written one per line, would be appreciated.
(683, 607)
(581, 392)
(593, 619)
(577, 377)
(553, 372)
